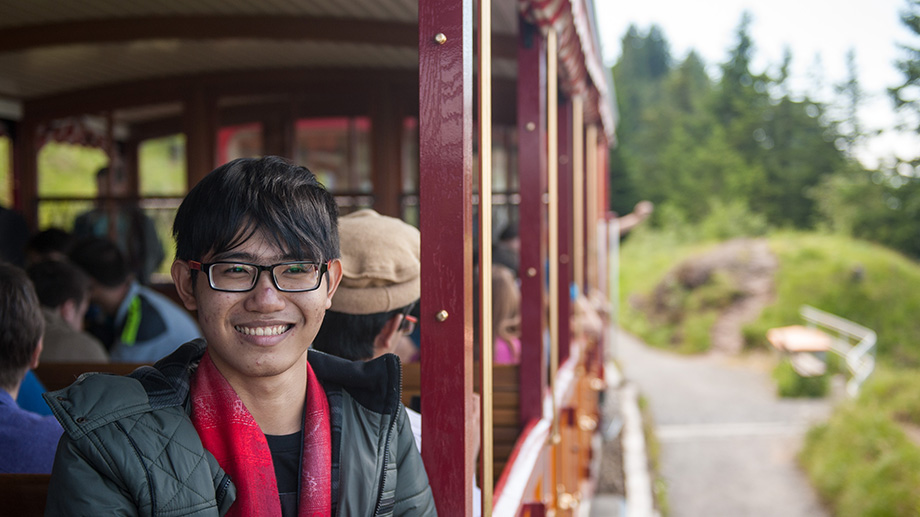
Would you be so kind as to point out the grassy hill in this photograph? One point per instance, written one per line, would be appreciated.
(866, 459)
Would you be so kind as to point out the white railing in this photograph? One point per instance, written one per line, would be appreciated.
(860, 358)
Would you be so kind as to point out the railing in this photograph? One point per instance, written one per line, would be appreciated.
(860, 358)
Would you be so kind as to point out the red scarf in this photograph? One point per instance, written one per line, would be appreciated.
(229, 432)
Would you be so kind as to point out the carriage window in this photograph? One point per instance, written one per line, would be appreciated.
(162, 182)
(337, 150)
(242, 141)
(66, 173)
(409, 192)
(6, 179)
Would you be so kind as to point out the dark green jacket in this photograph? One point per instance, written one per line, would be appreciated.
(129, 447)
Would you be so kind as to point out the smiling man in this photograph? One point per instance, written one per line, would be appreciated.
(248, 420)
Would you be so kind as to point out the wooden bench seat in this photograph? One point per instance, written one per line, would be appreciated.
(23, 495)
(505, 407)
(60, 375)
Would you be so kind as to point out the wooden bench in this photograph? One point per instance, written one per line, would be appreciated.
(23, 495)
(60, 375)
(505, 411)
(802, 344)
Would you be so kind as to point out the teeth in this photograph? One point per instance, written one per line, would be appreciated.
(262, 331)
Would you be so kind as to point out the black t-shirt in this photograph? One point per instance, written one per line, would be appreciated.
(286, 459)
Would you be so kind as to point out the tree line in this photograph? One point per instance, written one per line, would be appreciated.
(742, 154)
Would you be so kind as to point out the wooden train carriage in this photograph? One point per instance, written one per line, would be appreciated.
(415, 96)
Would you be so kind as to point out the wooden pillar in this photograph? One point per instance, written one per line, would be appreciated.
(445, 190)
(386, 155)
(278, 132)
(25, 170)
(531, 129)
(566, 213)
(200, 121)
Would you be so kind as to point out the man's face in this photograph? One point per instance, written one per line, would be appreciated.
(231, 322)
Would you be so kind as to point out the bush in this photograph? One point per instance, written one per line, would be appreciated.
(790, 384)
(862, 463)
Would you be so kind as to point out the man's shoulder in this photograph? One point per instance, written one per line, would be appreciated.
(374, 384)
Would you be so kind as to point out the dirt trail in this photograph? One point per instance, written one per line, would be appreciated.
(754, 266)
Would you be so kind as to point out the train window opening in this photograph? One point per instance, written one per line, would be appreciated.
(338, 151)
(66, 182)
(6, 166)
(162, 182)
(240, 141)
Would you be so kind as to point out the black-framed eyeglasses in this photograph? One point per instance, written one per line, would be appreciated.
(407, 324)
(239, 277)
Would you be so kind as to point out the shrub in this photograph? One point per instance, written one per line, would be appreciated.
(790, 384)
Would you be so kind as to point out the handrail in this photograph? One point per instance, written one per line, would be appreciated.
(860, 358)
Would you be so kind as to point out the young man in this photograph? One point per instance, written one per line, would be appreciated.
(246, 421)
(63, 291)
(134, 322)
(27, 440)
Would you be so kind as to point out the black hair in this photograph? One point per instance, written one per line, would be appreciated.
(21, 324)
(247, 195)
(52, 240)
(57, 281)
(101, 259)
(351, 336)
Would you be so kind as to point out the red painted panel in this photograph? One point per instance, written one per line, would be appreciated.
(566, 221)
(531, 128)
(445, 192)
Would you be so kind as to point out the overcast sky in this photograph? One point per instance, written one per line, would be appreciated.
(812, 29)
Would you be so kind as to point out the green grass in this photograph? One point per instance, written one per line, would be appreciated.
(861, 461)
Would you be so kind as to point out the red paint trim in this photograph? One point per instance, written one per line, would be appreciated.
(445, 192)
(566, 221)
(531, 109)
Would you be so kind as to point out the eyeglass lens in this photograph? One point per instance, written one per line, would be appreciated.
(291, 276)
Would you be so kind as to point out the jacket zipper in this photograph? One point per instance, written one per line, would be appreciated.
(386, 451)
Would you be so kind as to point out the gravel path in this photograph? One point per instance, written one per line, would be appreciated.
(728, 444)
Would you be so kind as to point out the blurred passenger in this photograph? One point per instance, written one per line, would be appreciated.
(27, 440)
(642, 211)
(371, 309)
(506, 316)
(134, 322)
(507, 251)
(63, 290)
(133, 232)
(49, 244)
(380, 285)
(13, 236)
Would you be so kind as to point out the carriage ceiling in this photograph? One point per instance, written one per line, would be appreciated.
(51, 49)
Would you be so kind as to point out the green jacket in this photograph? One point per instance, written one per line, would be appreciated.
(129, 447)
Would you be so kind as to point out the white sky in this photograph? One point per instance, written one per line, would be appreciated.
(810, 28)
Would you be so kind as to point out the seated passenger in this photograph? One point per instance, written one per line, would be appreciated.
(370, 312)
(247, 421)
(49, 244)
(506, 316)
(135, 323)
(27, 440)
(63, 290)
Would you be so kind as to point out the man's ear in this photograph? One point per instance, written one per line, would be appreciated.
(33, 361)
(68, 311)
(386, 340)
(182, 277)
(333, 277)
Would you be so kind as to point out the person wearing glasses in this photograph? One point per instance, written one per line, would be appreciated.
(247, 420)
(372, 308)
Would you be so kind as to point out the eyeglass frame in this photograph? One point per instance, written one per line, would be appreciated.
(407, 319)
(205, 267)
